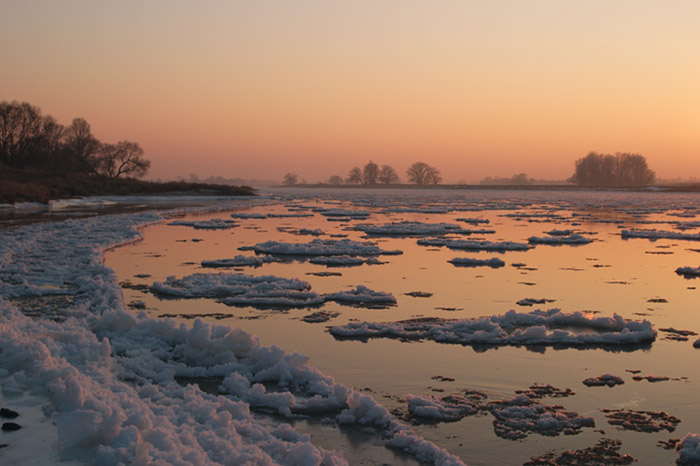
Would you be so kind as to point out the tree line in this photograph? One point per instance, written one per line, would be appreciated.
(371, 174)
(622, 170)
(30, 140)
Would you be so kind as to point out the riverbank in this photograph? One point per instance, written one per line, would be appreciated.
(30, 186)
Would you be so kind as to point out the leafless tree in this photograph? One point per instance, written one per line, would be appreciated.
(370, 173)
(20, 126)
(355, 176)
(123, 158)
(421, 173)
(335, 179)
(290, 179)
(84, 147)
(387, 175)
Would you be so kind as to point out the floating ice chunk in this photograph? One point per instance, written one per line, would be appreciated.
(238, 261)
(556, 232)
(434, 242)
(345, 213)
(512, 328)
(221, 285)
(447, 408)
(557, 240)
(517, 417)
(418, 210)
(271, 298)
(660, 234)
(213, 224)
(319, 247)
(319, 316)
(606, 380)
(343, 261)
(468, 245)
(473, 221)
(290, 215)
(248, 215)
(688, 272)
(409, 229)
(362, 296)
(493, 262)
(689, 450)
(531, 301)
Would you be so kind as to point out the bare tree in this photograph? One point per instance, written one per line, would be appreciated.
(84, 147)
(355, 176)
(369, 173)
(123, 158)
(290, 179)
(335, 179)
(20, 126)
(421, 173)
(387, 175)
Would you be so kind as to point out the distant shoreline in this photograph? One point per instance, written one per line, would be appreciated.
(480, 187)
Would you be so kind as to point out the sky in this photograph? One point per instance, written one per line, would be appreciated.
(260, 88)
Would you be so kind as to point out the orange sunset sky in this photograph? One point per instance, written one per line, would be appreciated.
(258, 88)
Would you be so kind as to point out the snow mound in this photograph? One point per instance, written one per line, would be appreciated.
(493, 262)
(320, 247)
(512, 328)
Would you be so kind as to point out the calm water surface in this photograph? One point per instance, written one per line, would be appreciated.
(610, 275)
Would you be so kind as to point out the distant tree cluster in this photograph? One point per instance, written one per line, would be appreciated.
(30, 140)
(619, 170)
(521, 179)
(371, 174)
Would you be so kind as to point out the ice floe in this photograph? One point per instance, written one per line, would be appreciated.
(493, 262)
(320, 247)
(660, 234)
(406, 228)
(572, 239)
(688, 272)
(213, 224)
(362, 296)
(512, 328)
(344, 261)
(606, 380)
(468, 245)
(689, 450)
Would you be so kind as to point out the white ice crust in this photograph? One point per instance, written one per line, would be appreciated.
(107, 377)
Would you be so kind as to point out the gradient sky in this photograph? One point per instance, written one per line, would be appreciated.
(260, 88)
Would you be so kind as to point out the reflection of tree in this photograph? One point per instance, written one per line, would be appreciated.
(619, 170)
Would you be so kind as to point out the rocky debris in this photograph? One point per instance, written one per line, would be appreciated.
(605, 453)
(641, 421)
